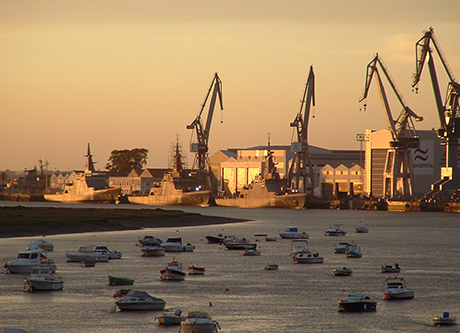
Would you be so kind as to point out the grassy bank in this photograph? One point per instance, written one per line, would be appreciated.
(22, 221)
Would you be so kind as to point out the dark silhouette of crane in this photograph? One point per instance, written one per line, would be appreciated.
(398, 170)
(448, 111)
(301, 173)
(200, 148)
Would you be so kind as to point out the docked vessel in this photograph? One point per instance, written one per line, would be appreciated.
(43, 279)
(265, 191)
(137, 300)
(26, 260)
(396, 289)
(90, 186)
(178, 188)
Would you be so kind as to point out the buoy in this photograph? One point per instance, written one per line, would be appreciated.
(227, 289)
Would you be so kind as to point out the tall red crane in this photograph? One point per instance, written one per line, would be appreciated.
(398, 164)
(201, 161)
(301, 173)
(448, 111)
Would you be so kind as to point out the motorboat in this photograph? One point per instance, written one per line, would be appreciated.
(357, 302)
(342, 271)
(251, 252)
(361, 229)
(199, 322)
(271, 239)
(173, 271)
(299, 246)
(271, 267)
(40, 244)
(238, 244)
(152, 250)
(308, 258)
(26, 260)
(293, 233)
(102, 249)
(119, 281)
(390, 269)
(219, 239)
(174, 244)
(444, 319)
(396, 289)
(87, 251)
(342, 247)
(43, 278)
(170, 318)
(193, 270)
(140, 301)
(335, 230)
(354, 252)
(150, 239)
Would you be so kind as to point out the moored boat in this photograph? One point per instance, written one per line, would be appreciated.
(40, 244)
(444, 319)
(343, 247)
(152, 250)
(173, 271)
(357, 302)
(26, 260)
(360, 229)
(86, 252)
(251, 252)
(396, 289)
(137, 300)
(354, 252)
(335, 230)
(238, 244)
(119, 281)
(102, 249)
(199, 322)
(299, 246)
(293, 233)
(193, 270)
(43, 279)
(390, 269)
(271, 267)
(342, 271)
(149, 240)
(215, 239)
(174, 244)
(308, 258)
(170, 318)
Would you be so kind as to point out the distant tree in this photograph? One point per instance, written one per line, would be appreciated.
(4, 177)
(126, 160)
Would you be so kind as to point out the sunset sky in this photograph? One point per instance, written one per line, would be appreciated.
(133, 74)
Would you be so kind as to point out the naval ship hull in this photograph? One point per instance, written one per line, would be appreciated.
(180, 198)
(109, 195)
(259, 197)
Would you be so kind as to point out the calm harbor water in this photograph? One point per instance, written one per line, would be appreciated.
(244, 296)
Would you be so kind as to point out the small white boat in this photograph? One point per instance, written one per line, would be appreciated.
(251, 252)
(354, 252)
(270, 267)
(390, 269)
(136, 300)
(299, 246)
(102, 249)
(342, 271)
(173, 271)
(199, 322)
(343, 247)
(360, 229)
(335, 230)
(445, 319)
(174, 244)
(43, 278)
(396, 289)
(26, 260)
(40, 244)
(85, 252)
(308, 258)
(170, 318)
(357, 302)
(193, 270)
(152, 250)
(235, 243)
(293, 233)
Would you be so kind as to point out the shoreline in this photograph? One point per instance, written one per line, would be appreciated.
(20, 221)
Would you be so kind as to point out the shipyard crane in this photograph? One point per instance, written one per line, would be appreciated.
(448, 111)
(301, 174)
(201, 147)
(398, 170)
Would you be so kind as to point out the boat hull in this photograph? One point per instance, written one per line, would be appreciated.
(402, 295)
(192, 270)
(37, 285)
(140, 306)
(24, 268)
(169, 319)
(267, 200)
(240, 246)
(153, 251)
(117, 281)
(364, 306)
(180, 198)
(172, 275)
(82, 256)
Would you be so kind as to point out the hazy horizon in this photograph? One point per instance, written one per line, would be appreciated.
(124, 75)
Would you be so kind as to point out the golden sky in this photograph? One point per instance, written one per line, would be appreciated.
(133, 74)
